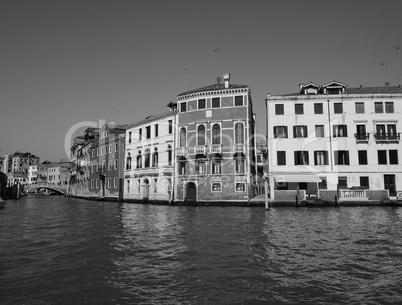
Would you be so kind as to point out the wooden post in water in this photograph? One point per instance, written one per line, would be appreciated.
(266, 194)
(298, 196)
(121, 189)
(337, 196)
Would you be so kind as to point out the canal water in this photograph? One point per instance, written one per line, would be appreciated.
(57, 250)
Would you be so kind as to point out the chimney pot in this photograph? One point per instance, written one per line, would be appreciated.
(226, 78)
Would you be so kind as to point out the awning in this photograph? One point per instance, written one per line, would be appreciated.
(305, 177)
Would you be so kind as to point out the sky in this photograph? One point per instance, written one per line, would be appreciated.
(66, 64)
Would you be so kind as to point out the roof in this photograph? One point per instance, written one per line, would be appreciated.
(152, 119)
(214, 87)
(362, 90)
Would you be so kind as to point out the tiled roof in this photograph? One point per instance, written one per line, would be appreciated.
(152, 119)
(214, 87)
(374, 90)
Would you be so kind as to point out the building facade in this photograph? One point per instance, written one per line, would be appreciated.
(215, 147)
(331, 136)
(107, 162)
(148, 174)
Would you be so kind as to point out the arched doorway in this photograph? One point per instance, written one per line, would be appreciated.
(191, 192)
(145, 189)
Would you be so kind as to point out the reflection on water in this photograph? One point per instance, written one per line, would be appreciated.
(60, 250)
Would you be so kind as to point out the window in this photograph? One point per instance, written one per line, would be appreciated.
(301, 157)
(362, 156)
(147, 160)
(341, 157)
(182, 140)
(216, 102)
(216, 134)
(378, 107)
(323, 184)
(116, 164)
(92, 183)
(170, 155)
(97, 183)
(364, 182)
(140, 134)
(128, 161)
(382, 156)
(148, 132)
(343, 182)
(389, 107)
(110, 165)
(114, 182)
(200, 167)
(183, 107)
(201, 104)
(170, 126)
(129, 137)
(216, 167)
(155, 158)
(280, 132)
(240, 187)
(97, 151)
(340, 131)
(279, 109)
(321, 157)
(201, 135)
(338, 108)
(361, 132)
(116, 147)
(93, 152)
(128, 186)
(239, 133)
(139, 159)
(359, 107)
(299, 109)
(106, 149)
(138, 186)
(239, 100)
(181, 168)
(281, 157)
(216, 187)
(93, 168)
(393, 157)
(300, 131)
(110, 148)
(109, 183)
(156, 130)
(319, 131)
(239, 166)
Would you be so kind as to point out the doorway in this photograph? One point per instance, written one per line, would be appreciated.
(389, 184)
(191, 192)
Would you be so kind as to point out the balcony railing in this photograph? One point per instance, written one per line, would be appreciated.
(239, 148)
(200, 149)
(181, 151)
(387, 137)
(216, 149)
(353, 195)
(362, 137)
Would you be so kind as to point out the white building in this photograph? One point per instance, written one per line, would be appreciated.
(149, 165)
(330, 135)
(33, 173)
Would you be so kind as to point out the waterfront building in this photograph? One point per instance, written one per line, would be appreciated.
(148, 173)
(59, 173)
(2, 163)
(326, 137)
(33, 174)
(16, 166)
(106, 155)
(215, 146)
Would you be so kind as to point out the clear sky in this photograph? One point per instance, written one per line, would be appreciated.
(66, 62)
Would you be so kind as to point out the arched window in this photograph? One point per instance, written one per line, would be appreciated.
(201, 135)
(128, 161)
(239, 133)
(216, 134)
(155, 158)
(147, 158)
(170, 155)
(182, 139)
(139, 159)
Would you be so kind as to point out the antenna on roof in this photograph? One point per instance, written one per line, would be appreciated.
(216, 50)
(384, 66)
(398, 50)
(186, 69)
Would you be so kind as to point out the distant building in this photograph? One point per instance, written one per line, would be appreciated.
(330, 136)
(148, 173)
(17, 166)
(2, 163)
(107, 162)
(215, 147)
(59, 173)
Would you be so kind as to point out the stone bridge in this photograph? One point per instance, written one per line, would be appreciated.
(52, 187)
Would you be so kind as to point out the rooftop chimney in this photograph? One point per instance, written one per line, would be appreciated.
(226, 78)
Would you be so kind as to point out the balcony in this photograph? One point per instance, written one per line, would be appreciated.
(387, 137)
(200, 150)
(181, 151)
(216, 149)
(362, 137)
(239, 148)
